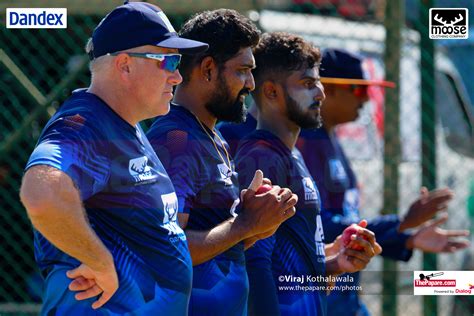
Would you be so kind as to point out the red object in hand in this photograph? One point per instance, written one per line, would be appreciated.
(346, 236)
(263, 188)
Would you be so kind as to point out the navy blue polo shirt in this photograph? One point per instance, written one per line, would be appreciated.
(130, 203)
(208, 191)
(340, 197)
(297, 247)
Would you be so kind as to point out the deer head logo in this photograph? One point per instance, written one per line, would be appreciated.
(138, 166)
(170, 212)
(456, 20)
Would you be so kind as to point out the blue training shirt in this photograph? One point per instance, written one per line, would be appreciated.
(337, 186)
(340, 197)
(208, 191)
(131, 205)
(297, 247)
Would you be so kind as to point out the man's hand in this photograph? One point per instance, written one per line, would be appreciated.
(90, 283)
(425, 207)
(349, 260)
(334, 248)
(254, 185)
(431, 238)
(263, 213)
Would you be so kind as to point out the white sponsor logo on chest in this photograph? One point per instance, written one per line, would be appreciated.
(139, 169)
(170, 208)
(310, 193)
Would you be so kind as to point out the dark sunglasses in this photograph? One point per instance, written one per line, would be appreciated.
(168, 62)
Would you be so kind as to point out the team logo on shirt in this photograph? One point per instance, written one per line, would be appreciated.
(170, 208)
(319, 236)
(225, 173)
(139, 169)
(310, 193)
(350, 206)
(336, 170)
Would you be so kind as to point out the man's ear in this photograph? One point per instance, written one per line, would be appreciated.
(122, 64)
(208, 69)
(269, 89)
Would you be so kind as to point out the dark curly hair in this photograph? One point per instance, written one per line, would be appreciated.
(226, 31)
(279, 53)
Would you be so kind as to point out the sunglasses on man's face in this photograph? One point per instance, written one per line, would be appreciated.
(358, 90)
(168, 62)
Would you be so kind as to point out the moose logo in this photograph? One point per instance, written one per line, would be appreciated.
(449, 23)
(139, 169)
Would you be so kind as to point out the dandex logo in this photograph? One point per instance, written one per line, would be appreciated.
(36, 18)
(452, 23)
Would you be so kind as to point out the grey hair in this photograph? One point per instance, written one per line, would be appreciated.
(97, 64)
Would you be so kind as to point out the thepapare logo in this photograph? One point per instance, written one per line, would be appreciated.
(36, 18)
(452, 23)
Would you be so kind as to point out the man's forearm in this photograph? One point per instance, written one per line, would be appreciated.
(55, 208)
(205, 245)
(66, 227)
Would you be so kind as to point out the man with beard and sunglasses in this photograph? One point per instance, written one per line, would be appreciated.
(346, 90)
(288, 96)
(217, 223)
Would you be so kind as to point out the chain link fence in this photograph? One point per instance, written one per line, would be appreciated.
(40, 68)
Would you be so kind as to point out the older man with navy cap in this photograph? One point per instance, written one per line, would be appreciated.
(107, 239)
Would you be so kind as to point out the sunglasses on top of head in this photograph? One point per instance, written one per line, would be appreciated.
(168, 62)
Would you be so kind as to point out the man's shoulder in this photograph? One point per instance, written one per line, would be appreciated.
(234, 131)
(315, 144)
(80, 110)
(259, 145)
(177, 120)
(175, 134)
(318, 133)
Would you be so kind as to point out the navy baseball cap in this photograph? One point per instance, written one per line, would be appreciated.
(136, 24)
(342, 67)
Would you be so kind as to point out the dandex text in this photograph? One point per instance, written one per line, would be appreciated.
(36, 18)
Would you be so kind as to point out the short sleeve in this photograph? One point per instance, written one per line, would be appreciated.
(71, 144)
(179, 155)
